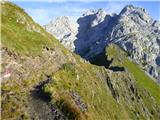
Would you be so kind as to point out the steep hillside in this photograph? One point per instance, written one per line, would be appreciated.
(43, 80)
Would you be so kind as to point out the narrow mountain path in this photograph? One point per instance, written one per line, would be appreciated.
(40, 108)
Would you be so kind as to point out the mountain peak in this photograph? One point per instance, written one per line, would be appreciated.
(64, 29)
(62, 19)
(131, 8)
(89, 12)
(100, 11)
(136, 14)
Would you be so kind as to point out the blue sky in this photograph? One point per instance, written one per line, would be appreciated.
(43, 11)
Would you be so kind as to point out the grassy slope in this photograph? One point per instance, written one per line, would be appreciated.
(19, 32)
(141, 78)
(92, 89)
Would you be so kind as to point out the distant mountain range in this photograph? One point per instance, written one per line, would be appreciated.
(133, 29)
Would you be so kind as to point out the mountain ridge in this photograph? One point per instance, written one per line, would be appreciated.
(133, 29)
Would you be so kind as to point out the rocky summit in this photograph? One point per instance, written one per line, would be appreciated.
(65, 30)
(133, 29)
(42, 80)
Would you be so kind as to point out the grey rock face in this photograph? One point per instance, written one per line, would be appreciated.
(91, 33)
(138, 34)
(78, 101)
(133, 29)
(64, 30)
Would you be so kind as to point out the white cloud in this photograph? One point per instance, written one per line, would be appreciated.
(39, 15)
(46, 14)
